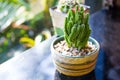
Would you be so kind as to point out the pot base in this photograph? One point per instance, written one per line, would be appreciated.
(68, 72)
(60, 76)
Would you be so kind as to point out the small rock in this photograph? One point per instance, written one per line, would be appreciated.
(86, 50)
(71, 49)
(75, 54)
(62, 43)
(83, 54)
(64, 53)
(88, 53)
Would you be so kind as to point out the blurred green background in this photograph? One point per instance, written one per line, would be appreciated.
(23, 24)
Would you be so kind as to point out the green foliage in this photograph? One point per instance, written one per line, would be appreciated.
(37, 22)
(76, 28)
(17, 2)
(7, 13)
(13, 34)
(10, 37)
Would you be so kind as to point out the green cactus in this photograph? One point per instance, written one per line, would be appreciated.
(65, 5)
(76, 28)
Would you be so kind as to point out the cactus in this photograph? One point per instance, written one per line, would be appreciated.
(65, 5)
(76, 28)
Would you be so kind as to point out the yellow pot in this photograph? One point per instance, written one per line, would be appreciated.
(72, 65)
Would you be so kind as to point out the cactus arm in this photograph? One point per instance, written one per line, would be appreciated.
(77, 17)
(77, 40)
(79, 20)
(76, 14)
(86, 39)
(82, 31)
(81, 13)
(65, 27)
(86, 36)
(72, 34)
(71, 15)
(76, 33)
(67, 41)
(79, 31)
(69, 26)
(86, 19)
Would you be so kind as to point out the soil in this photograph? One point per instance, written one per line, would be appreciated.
(63, 49)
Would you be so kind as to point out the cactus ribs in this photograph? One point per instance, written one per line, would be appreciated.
(76, 28)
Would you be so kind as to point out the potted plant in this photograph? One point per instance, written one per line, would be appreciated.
(75, 53)
(59, 12)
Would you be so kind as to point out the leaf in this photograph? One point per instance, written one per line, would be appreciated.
(27, 40)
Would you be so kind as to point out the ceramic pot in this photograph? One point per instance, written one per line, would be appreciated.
(74, 66)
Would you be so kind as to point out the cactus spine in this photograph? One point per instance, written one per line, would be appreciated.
(76, 28)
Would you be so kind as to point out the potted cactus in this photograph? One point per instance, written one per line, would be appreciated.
(59, 12)
(75, 53)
